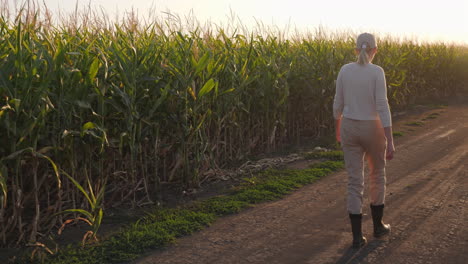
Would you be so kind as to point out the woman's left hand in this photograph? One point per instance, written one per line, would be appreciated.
(337, 130)
(390, 151)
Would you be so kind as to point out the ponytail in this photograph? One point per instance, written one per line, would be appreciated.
(364, 57)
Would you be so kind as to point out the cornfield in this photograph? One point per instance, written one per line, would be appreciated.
(97, 114)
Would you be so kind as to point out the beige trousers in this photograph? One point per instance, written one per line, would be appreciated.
(359, 139)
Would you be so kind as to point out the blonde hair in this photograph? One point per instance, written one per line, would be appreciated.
(364, 57)
(365, 43)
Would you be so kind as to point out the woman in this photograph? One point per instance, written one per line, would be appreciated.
(364, 127)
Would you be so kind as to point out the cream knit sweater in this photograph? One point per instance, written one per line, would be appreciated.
(361, 94)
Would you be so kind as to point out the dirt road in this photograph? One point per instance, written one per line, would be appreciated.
(427, 206)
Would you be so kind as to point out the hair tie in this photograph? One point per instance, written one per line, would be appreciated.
(363, 46)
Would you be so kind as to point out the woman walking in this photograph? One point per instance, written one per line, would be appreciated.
(364, 128)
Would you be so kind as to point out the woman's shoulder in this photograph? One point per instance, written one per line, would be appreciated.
(348, 66)
(377, 68)
(353, 66)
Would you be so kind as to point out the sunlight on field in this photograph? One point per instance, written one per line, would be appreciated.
(95, 110)
(398, 18)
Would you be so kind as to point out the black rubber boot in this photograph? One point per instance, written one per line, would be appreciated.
(358, 239)
(380, 229)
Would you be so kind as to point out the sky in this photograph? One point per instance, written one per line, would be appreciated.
(422, 20)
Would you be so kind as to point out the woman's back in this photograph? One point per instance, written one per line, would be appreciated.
(361, 93)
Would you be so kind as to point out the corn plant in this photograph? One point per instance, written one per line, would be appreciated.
(93, 217)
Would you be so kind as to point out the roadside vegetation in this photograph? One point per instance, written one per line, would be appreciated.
(162, 226)
(97, 114)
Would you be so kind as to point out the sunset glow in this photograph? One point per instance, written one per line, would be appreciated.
(420, 20)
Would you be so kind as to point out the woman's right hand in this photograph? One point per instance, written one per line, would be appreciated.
(390, 147)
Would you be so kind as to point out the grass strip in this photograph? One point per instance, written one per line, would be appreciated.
(327, 155)
(431, 116)
(331, 165)
(415, 123)
(161, 227)
(398, 134)
(438, 106)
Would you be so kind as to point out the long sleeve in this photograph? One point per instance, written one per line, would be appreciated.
(338, 102)
(381, 101)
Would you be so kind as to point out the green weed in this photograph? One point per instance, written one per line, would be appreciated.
(431, 116)
(222, 205)
(331, 165)
(438, 106)
(330, 155)
(415, 123)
